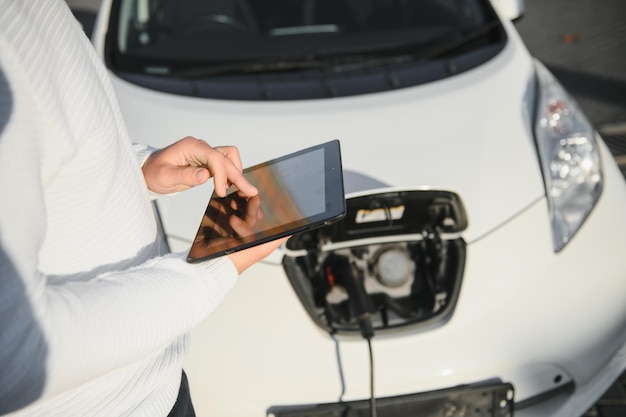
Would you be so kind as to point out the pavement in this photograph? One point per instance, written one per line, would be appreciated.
(583, 43)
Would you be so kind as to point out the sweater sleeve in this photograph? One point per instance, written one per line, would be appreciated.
(65, 335)
(81, 293)
(142, 152)
(58, 332)
(117, 318)
(23, 348)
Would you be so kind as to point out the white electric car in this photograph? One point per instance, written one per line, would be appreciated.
(479, 270)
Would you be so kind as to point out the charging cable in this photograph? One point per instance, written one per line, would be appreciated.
(373, 412)
(340, 270)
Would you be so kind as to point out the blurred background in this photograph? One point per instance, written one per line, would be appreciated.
(583, 42)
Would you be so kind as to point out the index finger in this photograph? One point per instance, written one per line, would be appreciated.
(231, 153)
(231, 174)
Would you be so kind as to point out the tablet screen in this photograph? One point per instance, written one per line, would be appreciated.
(297, 192)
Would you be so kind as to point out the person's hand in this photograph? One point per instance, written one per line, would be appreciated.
(190, 162)
(248, 257)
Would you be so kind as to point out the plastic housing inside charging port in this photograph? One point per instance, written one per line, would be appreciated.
(397, 257)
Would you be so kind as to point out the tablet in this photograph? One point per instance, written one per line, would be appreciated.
(297, 192)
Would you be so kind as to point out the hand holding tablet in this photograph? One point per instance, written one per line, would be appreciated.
(297, 192)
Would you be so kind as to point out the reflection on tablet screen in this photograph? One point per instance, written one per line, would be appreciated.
(291, 192)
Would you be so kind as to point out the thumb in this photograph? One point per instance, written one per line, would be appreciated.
(200, 175)
(192, 176)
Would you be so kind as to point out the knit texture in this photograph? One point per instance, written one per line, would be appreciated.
(92, 321)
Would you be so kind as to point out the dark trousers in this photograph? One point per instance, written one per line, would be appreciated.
(183, 406)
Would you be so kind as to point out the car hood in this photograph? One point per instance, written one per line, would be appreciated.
(470, 134)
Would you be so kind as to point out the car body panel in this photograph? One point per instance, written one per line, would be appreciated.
(524, 315)
(495, 166)
(509, 9)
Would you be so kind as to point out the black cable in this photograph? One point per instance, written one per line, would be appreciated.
(373, 412)
(340, 366)
(361, 308)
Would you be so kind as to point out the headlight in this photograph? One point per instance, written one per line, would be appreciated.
(569, 156)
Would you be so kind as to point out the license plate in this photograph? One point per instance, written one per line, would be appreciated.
(476, 400)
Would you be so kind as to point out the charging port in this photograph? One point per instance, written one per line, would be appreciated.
(397, 257)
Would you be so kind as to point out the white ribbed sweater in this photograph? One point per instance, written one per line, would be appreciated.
(91, 322)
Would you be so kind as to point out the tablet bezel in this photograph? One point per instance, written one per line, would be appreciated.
(335, 207)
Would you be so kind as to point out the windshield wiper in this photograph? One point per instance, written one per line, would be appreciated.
(336, 63)
(245, 67)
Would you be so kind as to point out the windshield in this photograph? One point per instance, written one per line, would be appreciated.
(191, 39)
